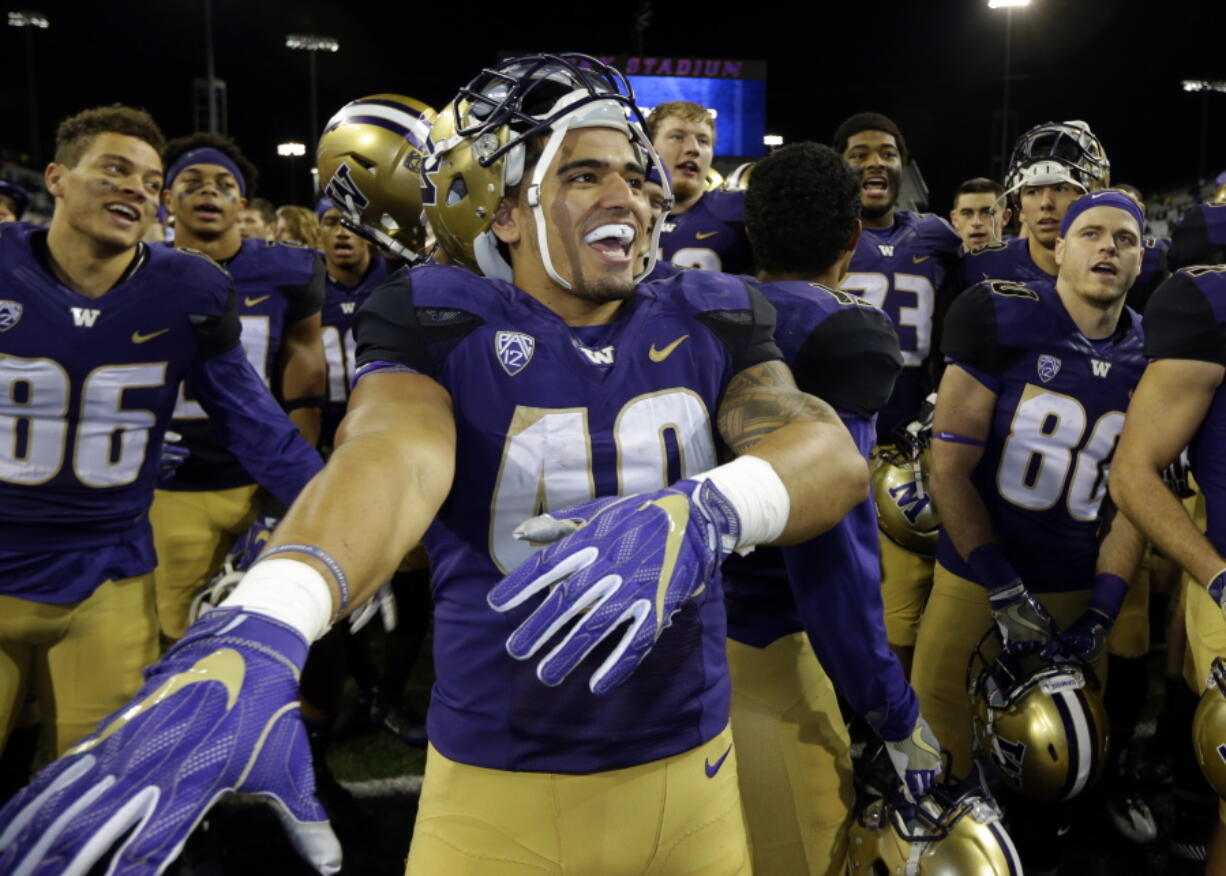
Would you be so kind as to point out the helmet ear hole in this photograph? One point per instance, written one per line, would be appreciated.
(457, 191)
(1051, 752)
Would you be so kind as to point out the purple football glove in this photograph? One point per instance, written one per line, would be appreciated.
(219, 713)
(632, 561)
(246, 549)
(171, 457)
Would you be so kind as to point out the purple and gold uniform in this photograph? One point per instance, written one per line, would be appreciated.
(1186, 319)
(90, 387)
(785, 715)
(902, 269)
(1154, 271)
(211, 499)
(1200, 237)
(546, 418)
(341, 305)
(1060, 402)
(709, 236)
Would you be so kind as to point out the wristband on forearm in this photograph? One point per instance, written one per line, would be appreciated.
(993, 568)
(306, 401)
(1108, 595)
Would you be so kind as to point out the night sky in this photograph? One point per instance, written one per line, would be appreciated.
(935, 66)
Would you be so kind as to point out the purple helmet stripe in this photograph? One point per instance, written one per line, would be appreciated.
(1006, 844)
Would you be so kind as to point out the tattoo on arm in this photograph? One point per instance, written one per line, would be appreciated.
(763, 398)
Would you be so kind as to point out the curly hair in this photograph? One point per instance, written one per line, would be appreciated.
(801, 208)
(302, 223)
(75, 134)
(223, 144)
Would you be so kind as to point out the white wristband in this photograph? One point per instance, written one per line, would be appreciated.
(289, 591)
(757, 493)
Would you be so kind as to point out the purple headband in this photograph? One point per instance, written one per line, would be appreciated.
(206, 155)
(658, 171)
(325, 204)
(1105, 198)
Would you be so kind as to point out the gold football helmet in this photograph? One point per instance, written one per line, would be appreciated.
(1209, 729)
(905, 512)
(955, 831)
(369, 161)
(715, 180)
(738, 180)
(1040, 722)
(480, 148)
(1056, 152)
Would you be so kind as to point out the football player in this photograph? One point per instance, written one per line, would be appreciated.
(1026, 419)
(13, 201)
(792, 746)
(97, 331)
(478, 400)
(979, 212)
(257, 220)
(900, 265)
(279, 292)
(1200, 236)
(1177, 404)
(705, 229)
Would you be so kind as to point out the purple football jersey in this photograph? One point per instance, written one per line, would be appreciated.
(710, 235)
(1200, 237)
(275, 285)
(89, 387)
(547, 418)
(842, 350)
(341, 305)
(1059, 411)
(1186, 319)
(902, 269)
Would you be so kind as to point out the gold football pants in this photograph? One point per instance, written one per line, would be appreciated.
(794, 758)
(655, 819)
(84, 658)
(906, 579)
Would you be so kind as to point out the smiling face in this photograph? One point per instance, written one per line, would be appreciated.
(205, 200)
(110, 195)
(1043, 209)
(686, 148)
(596, 219)
(1101, 256)
(875, 156)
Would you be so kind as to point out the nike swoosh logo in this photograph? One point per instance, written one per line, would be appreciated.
(917, 259)
(713, 768)
(138, 338)
(252, 302)
(226, 666)
(704, 234)
(660, 355)
(677, 507)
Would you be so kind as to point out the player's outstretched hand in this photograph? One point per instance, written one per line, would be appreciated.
(916, 759)
(629, 562)
(219, 713)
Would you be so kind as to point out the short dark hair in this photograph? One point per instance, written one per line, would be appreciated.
(264, 207)
(75, 134)
(980, 185)
(223, 144)
(801, 208)
(868, 122)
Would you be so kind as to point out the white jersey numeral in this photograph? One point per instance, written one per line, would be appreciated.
(877, 289)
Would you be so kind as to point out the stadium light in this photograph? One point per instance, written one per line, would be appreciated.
(1008, 6)
(291, 150)
(29, 21)
(772, 140)
(312, 44)
(1194, 85)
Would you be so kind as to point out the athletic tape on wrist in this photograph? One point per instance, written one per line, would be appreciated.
(338, 574)
(758, 494)
(286, 590)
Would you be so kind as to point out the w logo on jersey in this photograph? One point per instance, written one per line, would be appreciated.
(10, 313)
(603, 356)
(348, 306)
(84, 317)
(514, 350)
(345, 193)
(1100, 369)
(1049, 367)
(886, 249)
(909, 500)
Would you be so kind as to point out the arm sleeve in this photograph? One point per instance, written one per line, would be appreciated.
(748, 333)
(307, 300)
(1193, 242)
(1180, 323)
(252, 425)
(216, 334)
(969, 335)
(836, 582)
(851, 360)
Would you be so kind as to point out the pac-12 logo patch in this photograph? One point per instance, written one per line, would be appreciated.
(10, 313)
(514, 350)
(1049, 367)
